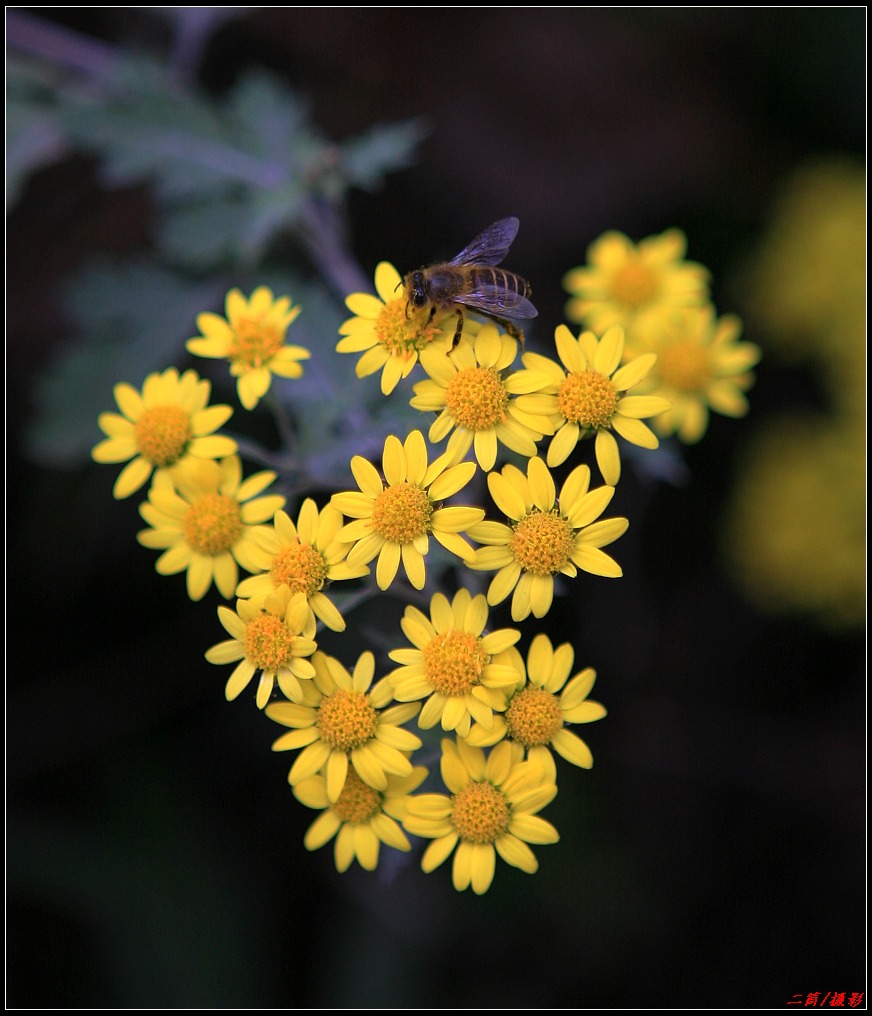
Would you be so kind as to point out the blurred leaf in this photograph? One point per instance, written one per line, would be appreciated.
(275, 117)
(205, 234)
(133, 320)
(231, 175)
(34, 137)
(383, 148)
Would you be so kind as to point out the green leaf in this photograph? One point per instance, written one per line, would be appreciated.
(34, 136)
(382, 149)
(132, 320)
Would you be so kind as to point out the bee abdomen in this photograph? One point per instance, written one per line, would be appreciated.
(500, 279)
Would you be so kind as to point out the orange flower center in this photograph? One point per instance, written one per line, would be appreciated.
(162, 434)
(477, 398)
(268, 642)
(301, 567)
(454, 662)
(255, 341)
(358, 803)
(588, 399)
(405, 332)
(542, 542)
(480, 812)
(402, 512)
(346, 719)
(685, 366)
(533, 716)
(633, 284)
(213, 524)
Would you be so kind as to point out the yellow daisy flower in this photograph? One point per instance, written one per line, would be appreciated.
(546, 536)
(623, 282)
(267, 636)
(161, 429)
(361, 819)
(491, 810)
(540, 707)
(474, 398)
(389, 332)
(701, 367)
(252, 337)
(341, 721)
(395, 519)
(589, 397)
(205, 527)
(463, 674)
(306, 557)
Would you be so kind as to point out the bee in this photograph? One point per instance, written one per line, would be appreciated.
(471, 280)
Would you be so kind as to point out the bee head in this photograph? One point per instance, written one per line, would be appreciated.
(416, 288)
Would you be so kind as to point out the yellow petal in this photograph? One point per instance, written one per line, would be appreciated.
(608, 457)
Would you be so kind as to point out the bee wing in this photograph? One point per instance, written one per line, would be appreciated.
(491, 245)
(498, 301)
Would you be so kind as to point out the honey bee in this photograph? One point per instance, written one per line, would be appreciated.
(471, 280)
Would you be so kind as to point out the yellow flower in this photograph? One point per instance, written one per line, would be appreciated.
(395, 519)
(361, 819)
(463, 674)
(341, 721)
(701, 367)
(390, 333)
(540, 707)
(622, 282)
(268, 636)
(474, 398)
(807, 283)
(589, 397)
(795, 535)
(305, 557)
(491, 810)
(205, 527)
(162, 429)
(252, 338)
(547, 536)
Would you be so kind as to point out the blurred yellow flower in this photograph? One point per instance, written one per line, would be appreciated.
(623, 282)
(795, 534)
(701, 367)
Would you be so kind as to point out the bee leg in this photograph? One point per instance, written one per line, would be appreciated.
(512, 330)
(459, 330)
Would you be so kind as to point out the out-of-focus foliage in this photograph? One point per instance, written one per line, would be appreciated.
(34, 137)
(231, 177)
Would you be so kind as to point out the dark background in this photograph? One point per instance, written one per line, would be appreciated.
(715, 855)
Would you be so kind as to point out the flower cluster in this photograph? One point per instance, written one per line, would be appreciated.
(502, 716)
(686, 358)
